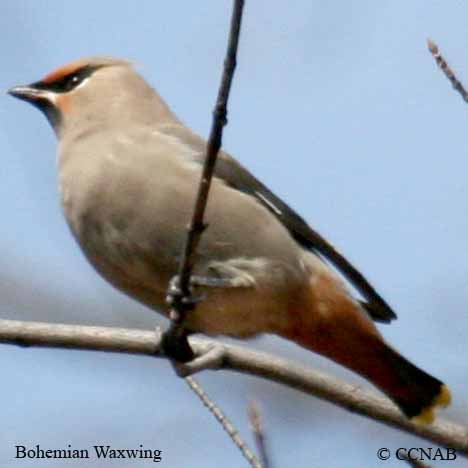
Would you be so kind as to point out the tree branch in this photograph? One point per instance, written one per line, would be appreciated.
(448, 72)
(182, 303)
(238, 359)
(259, 433)
(225, 423)
(413, 462)
(175, 342)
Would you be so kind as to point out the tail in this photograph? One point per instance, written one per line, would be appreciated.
(335, 326)
(415, 392)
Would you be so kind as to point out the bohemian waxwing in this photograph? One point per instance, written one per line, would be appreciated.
(129, 171)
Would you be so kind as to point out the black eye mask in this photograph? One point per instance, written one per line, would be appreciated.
(68, 82)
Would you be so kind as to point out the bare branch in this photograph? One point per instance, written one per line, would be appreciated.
(181, 302)
(224, 422)
(238, 359)
(448, 72)
(195, 229)
(413, 462)
(259, 433)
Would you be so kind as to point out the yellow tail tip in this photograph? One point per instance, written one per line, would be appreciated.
(442, 400)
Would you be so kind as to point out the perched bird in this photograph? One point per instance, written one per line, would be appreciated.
(129, 171)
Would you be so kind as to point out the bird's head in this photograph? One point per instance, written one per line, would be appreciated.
(92, 91)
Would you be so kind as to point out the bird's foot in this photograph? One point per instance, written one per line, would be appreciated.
(174, 342)
(178, 300)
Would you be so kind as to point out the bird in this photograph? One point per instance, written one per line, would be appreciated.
(128, 176)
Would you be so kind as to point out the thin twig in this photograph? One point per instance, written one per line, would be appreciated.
(259, 433)
(238, 359)
(197, 226)
(413, 462)
(182, 303)
(443, 65)
(225, 423)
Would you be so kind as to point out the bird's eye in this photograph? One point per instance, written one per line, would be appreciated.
(71, 81)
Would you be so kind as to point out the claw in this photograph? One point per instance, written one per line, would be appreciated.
(176, 298)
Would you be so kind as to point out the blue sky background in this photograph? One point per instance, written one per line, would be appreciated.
(340, 109)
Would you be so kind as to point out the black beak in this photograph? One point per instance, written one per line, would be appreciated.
(27, 93)
(40, 98)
